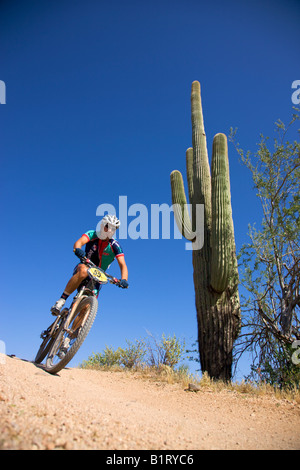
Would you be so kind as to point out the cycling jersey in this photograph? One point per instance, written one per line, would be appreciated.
(101, 252)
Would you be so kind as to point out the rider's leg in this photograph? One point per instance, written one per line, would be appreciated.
(79, 275)
(77, 278)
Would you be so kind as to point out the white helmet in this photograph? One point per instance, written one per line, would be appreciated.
(111, 220)
(111, 223)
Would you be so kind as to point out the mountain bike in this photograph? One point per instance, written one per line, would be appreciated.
(63, 338)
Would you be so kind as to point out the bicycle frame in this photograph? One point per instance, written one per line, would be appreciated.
(78, 297)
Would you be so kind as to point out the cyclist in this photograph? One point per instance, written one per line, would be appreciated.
(101, 248)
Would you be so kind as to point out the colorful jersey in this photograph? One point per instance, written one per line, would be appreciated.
(101, 252)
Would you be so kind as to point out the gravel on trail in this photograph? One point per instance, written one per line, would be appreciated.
(88, 409)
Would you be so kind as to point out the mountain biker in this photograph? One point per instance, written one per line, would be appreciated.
(101, 248)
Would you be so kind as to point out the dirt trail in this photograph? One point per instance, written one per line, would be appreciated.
(81, 409)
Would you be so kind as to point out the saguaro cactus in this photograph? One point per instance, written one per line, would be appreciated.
(215, 263)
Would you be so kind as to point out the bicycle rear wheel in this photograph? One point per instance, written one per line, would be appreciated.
(44, 349)
(69, 339)
(48, 340)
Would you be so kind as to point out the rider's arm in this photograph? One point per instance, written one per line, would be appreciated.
(82, 241)
(123, 267)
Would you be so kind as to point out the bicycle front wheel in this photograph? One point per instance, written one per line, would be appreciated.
(71, 336)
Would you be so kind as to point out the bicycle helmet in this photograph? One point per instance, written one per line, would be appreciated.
(112, 220)
(111, 223)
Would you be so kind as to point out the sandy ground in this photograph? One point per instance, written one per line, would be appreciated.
(81, 409)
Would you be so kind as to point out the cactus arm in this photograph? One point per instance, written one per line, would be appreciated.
(221, 233)
(180, 206)
(201, 169)
(190, 174)
(190, 179)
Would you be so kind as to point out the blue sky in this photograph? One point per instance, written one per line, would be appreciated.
(98, 106)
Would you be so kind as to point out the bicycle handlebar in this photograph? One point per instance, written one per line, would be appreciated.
(81, 255)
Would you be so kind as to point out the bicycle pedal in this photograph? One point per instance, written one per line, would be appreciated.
(55, 312)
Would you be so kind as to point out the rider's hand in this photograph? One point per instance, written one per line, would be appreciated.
(123, 283)
(79, 252)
